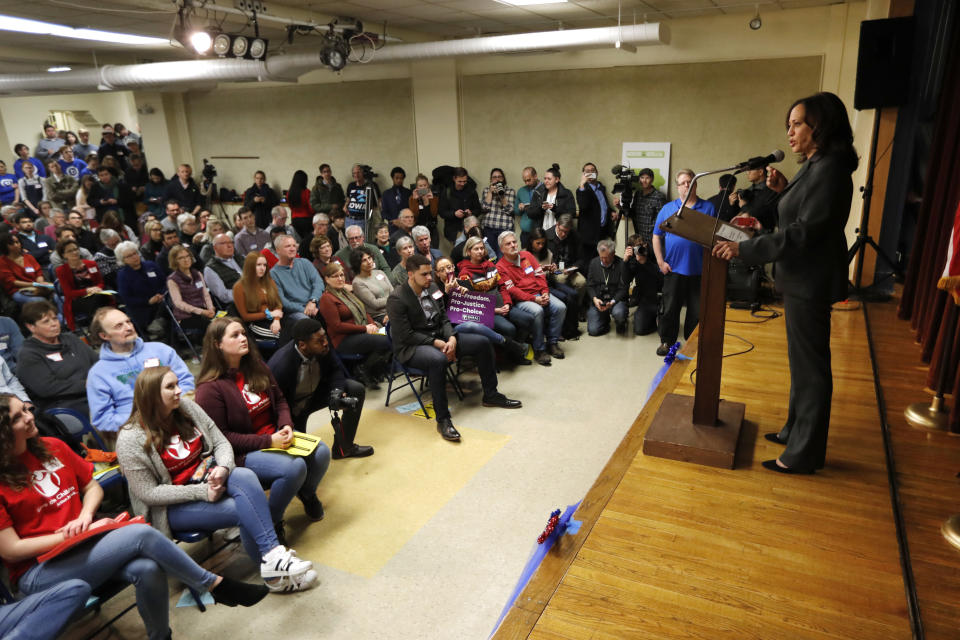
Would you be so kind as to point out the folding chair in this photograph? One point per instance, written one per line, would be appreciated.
(410, 374)
(79, 426)
(175, 328)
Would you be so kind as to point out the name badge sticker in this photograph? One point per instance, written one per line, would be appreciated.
(56, 357)
(42, 244)
(29, 269)
(198, 284)
(92, 269)
(151, 274)
(151, 362)
(437, 294)
(253, 245)
(529, 269)
(380, 276)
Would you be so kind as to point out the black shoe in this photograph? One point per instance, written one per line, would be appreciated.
(281, 533)
(773, 466)
(517, 351)
(621, 328)
(232, 592)
(663, 349)
(502, 401)
(542, 358)
(555, 351)
(312, 507)
(351, 451)
(773, 437)
(447, 430)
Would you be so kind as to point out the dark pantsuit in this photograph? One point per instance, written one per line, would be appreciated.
(811, 383)
(432, 360)
(679, 291)
(350, 416)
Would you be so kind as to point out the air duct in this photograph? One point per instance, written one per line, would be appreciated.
(288, 67)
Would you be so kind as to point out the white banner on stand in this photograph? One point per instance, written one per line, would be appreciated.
(649, 155)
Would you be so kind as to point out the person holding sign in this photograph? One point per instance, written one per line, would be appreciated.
(48, 496)
(423, 338)
(239, 393)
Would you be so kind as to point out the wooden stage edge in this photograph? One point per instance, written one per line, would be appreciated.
(530, 604)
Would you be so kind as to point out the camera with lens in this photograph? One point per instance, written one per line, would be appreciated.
(368, 172)
(209, 171)
(498, 188)
(338, 401)
(625, 179)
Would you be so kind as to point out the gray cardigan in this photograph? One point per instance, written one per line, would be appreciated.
(151, 488)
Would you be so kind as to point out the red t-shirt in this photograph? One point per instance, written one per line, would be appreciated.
(260, 408)
(52, 500)
(182, 458)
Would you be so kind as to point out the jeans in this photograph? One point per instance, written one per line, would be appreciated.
(243, 505)
(138, 554)
(350, 418)
(287, 475)
(531, 316)
(432, 360)
(42, 615)
(598, 322)
(504, 327)
(479, 329)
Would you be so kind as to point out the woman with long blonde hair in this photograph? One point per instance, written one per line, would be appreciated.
(257, 299)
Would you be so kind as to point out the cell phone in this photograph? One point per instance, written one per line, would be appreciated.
(423, 191)
(591, 175)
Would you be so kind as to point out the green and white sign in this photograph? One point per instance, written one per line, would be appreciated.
(649, 155)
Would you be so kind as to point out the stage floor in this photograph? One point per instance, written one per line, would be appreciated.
(673, 550)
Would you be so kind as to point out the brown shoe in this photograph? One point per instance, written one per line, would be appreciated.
(555, 351)
(542, 358)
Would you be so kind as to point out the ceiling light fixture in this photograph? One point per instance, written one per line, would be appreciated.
(527, 3)
(756, 23)
(22, 25)
(201, 42)
(59, 69)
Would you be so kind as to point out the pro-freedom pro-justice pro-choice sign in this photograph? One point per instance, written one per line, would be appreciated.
(471, 306)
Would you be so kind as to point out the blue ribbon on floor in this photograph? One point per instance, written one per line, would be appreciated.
(672, 354)
(564, 526)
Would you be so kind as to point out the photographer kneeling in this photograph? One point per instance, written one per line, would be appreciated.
(311, 379)
(607, 291)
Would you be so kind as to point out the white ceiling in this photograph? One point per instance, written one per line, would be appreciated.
(407, 19)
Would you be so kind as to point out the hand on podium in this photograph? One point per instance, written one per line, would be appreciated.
(726, 250)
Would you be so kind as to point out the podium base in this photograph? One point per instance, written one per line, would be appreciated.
(673, 435)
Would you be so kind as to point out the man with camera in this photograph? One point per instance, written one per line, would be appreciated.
(596, 214)
(640, 268)
(645, 204)
(456, 203)
(497, 204)
(311, 379)
(607, 291)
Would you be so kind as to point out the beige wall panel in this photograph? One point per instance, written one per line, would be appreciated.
(300, 127)
(713, 114)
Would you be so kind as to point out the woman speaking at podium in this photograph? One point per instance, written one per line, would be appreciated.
(810, 250)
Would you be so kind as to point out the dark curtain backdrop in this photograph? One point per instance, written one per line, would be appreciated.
(926, 307)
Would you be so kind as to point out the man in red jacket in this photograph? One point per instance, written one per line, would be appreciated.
(533, 306)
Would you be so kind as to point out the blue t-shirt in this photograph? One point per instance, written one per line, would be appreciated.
(41, 171)
(684, 256)
(73, 169)
(8, 182)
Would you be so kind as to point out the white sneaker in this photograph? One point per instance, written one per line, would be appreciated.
(281, 562)
(291, 583)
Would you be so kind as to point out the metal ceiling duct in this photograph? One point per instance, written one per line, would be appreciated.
(288, 67)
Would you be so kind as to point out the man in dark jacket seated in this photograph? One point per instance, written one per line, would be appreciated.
(423, 338)
(311, 379)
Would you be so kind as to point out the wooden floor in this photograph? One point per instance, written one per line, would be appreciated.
(673, 550)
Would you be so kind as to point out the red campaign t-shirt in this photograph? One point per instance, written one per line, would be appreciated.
(260, 408)
(181, 458)
(52, 500)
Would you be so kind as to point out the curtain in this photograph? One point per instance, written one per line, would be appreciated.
(925, 306)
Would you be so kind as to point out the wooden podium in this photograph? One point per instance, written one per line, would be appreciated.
(703, 429)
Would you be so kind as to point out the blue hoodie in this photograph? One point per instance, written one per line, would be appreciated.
(110, 381)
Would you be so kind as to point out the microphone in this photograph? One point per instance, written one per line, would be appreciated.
(760, 162)
(617, 168)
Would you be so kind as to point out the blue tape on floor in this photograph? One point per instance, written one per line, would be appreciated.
(564, 526)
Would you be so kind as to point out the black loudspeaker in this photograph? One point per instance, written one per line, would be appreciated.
(883, 63)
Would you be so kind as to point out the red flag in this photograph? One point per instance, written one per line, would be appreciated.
(950, 280)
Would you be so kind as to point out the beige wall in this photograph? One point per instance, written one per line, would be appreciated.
(290, 128)
(713, 114)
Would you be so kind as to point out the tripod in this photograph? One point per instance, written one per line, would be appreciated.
(858, 249)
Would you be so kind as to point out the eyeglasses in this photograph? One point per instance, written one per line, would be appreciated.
(338, 275)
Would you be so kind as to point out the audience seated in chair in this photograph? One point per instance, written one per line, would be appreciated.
(239, 393)
(10, 341)
(182, 477)
(298, 282)
(258, 300)
(82, 284)
(423, 338)
(20, 272)
(192, 305)
(53, 365)
(141, 286)
(63, 505)
(123, 356)
(370, 285)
